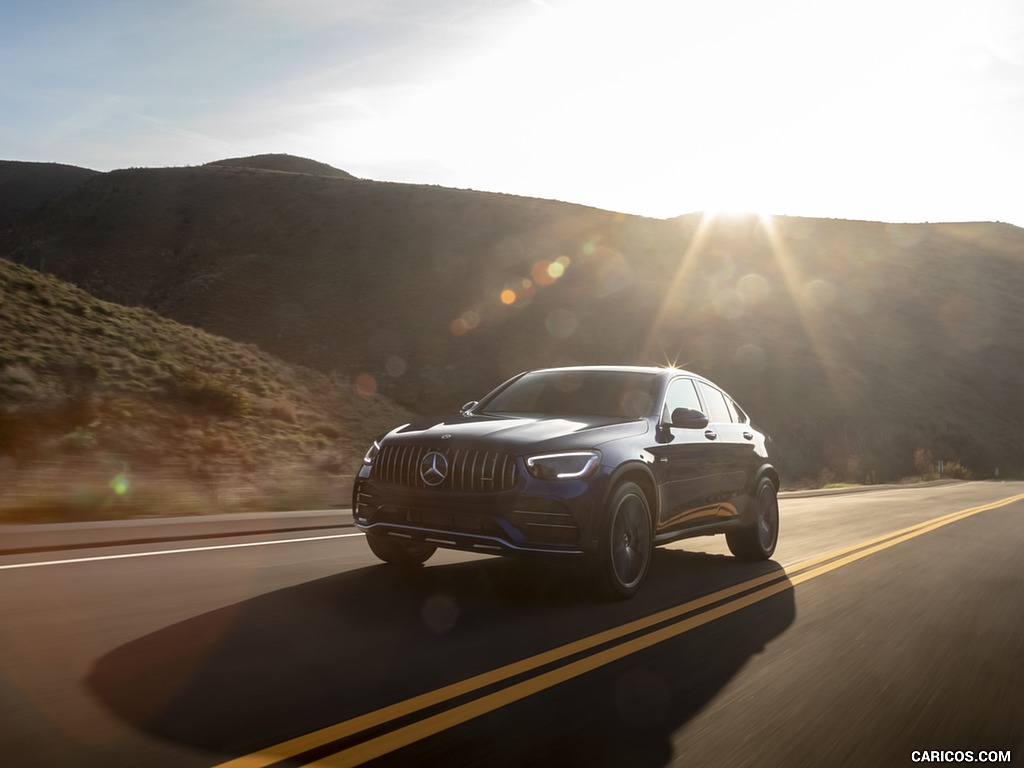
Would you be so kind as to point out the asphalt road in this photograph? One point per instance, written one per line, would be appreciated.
(891, 623)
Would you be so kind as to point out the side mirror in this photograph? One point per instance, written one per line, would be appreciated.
(468, 407)
(687, 418)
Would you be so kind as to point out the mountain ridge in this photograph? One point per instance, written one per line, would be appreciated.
(855, 343)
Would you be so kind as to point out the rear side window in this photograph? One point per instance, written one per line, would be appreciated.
(718, 409)
(741, 416)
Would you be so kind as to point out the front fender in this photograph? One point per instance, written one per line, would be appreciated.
(765, 470)
(638, 472)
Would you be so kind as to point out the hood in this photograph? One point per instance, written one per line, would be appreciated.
(516, 434)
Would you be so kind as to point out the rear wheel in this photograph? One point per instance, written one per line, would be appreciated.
(757, 541)
(626, 543)
(400, 551)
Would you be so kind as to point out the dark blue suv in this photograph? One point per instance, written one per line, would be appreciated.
(598, 464)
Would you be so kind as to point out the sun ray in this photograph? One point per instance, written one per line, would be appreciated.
(795, 283)
(686, 265)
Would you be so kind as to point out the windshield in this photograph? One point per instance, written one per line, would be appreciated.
(617, 394)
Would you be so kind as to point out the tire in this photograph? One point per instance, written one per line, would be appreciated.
(399, 551)
(625, 544)
(757, 540)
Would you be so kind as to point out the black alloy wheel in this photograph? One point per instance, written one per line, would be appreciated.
(626, 543)
(757, 540)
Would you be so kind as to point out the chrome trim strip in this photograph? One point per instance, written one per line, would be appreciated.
(471, 539)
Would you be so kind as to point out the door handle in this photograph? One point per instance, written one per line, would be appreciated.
(710, 434)
(748, 435)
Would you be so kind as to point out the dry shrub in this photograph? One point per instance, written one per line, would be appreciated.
(212, 395)
(954, 470)
(283, 410)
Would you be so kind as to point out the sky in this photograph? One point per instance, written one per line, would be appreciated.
(885, 110)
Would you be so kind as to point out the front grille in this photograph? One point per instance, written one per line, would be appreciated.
(463, 469)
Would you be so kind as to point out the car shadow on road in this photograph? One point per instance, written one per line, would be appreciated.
(254, 674)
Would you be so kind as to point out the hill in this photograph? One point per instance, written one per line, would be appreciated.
(117, 411)
(25, 187)
(868, 350)
(284, 164)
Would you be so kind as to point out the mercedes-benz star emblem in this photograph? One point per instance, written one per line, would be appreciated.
(434, 468)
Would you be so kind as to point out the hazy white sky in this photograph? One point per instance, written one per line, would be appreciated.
(893, 110)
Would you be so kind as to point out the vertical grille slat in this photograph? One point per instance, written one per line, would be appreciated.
(472, 470)
(453, 460)
(492, 473)
(414, 467)
(468, 470)
(462, 470)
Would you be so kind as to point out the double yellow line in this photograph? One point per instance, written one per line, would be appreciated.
(676, 620)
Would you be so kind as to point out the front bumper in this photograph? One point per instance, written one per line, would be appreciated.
(538, 518)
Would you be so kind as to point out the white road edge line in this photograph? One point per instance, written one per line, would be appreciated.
(175, 551)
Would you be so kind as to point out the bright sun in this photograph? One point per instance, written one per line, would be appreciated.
(669, 108)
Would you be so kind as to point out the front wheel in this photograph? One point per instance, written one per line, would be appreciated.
(626, 543)
(399, 551)
(757, 541)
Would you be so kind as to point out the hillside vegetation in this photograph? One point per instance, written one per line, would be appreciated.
(107, 410)
(868, 350)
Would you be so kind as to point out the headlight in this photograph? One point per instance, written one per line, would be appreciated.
(371, 453)
(562, 466)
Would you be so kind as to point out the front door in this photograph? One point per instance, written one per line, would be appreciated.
(687, 464)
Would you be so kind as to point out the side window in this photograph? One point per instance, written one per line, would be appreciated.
(741, 416)
(681, 394)
(718, 409)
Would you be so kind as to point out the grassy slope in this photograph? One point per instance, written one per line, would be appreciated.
(854, 343)
(92, 391)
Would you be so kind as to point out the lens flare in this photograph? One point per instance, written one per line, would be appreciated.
(540, 274)
(119, 485)
(819, 294)
(615, 275)
(365, 384)
(467, 321)
(750, 357)
(728, 304)
(508, 296)
(561, 323)
(395, 366)
(753, 288)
